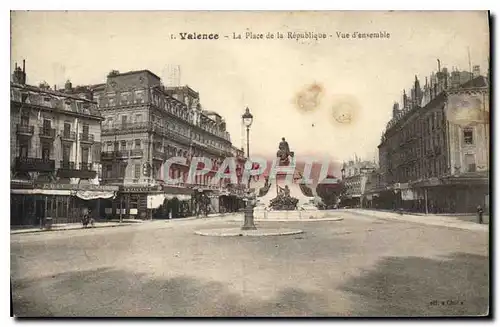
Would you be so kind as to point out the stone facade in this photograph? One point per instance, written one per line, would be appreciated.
(57, 132)
(145, 124)
(434, 153)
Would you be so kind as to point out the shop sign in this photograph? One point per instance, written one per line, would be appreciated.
(139, 189)
(85, 187)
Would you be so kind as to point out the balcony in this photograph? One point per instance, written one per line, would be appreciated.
(68, 136)
(26, 130)
(48, 133)
(68, 169)
(70, 165)
(110, 155)
(136, 153)
(27, 164)
(126, 128)
(158, 155)
(86, 138)
(86, 166)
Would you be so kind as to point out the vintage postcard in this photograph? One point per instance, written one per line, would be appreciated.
(250, 164)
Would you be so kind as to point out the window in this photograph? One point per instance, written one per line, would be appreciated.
(85, 155)
(66, 153)
(85, 129)
(67, 129)
(25, 120)
(124, 145)
(468, 136)
(138, 118)
(470, 163)
(46, 125)
(137, 144)
(46, 151)
(124, 120)
(137, 171)
(109, 171)
(23, 149)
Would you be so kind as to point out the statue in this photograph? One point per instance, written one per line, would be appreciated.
(263, 190)
(283, 200)
(284, 152)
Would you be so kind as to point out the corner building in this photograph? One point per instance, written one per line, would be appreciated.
(55, 146)
(146, 123)
(434, 153)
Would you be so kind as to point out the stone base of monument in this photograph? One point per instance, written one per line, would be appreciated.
(306, 210)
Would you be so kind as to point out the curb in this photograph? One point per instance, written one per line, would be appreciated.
(232, 232)
(66, 229)
(423, 222)
(193, 218)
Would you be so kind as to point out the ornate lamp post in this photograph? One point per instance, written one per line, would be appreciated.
(247, 118)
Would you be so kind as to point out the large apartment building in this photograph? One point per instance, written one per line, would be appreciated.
(146, 123)
(55, 150)
(434, 153)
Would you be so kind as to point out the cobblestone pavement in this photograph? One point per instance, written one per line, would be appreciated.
(359, 266)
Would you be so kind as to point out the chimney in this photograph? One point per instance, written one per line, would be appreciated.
(24, 67)
(476, 72)
(68, 87)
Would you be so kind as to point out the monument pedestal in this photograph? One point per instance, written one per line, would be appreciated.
(305, 206)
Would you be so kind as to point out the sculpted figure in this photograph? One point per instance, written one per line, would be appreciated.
(284, 151)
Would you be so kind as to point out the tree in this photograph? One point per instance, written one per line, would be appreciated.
(330, 192)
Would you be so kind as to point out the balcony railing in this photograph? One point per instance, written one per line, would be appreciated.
(67, 165)
(48, 133)
(120, 154)
(136, 153)
(25, 129)
(157, 154)
(68, 136)
(87, 138)
(85, 166)
(68, 169)
(126, 128)
(27, 164)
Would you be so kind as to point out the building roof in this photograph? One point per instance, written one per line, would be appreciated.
(137, 72)
(49, 91)
(477, 82)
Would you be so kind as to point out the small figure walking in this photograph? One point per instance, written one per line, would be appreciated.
(480, 214)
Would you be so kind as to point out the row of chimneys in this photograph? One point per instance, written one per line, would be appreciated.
(19, 75)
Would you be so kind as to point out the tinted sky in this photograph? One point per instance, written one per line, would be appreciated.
(361, 77)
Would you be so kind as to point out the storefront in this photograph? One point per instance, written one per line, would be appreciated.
(32, 203)
(453, 194)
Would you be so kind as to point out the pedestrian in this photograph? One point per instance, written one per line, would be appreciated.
(480, 214)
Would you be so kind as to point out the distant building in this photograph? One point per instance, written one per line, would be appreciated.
(55, 152)
(434, 153)
(354, 177)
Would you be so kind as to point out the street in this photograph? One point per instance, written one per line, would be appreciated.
(359, 266)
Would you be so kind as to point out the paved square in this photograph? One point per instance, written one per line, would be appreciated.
(359, 266)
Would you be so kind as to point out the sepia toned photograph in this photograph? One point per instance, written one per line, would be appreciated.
(250, 164)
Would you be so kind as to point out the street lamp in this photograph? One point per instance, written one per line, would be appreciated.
(247, 121)
(247, 118)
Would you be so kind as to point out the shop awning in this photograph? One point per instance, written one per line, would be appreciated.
(155, 200)
(41, 192)
(91, 195)
(180, 197)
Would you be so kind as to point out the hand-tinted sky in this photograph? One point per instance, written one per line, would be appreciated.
(265, 75)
